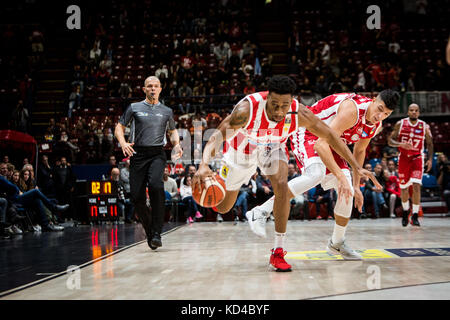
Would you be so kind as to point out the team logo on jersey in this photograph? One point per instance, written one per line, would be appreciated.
(418, 131)
(142, 114)
(224, 172)
(420, 126)
(355, 137)
(411, 134)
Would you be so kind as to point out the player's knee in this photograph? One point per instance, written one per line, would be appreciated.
(344, 208)
(280, 187)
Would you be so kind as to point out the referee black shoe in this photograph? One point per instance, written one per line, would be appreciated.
(154, 241)
(405, 218)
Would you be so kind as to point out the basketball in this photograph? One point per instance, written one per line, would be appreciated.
(210, 193)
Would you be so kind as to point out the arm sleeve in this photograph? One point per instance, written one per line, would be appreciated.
(126, 117)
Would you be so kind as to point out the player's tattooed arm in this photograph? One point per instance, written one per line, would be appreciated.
(240, 115)
(392, 141)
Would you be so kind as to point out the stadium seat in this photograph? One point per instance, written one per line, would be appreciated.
(374, 161)
(429, 181)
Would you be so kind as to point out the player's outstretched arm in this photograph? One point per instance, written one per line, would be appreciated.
(320, 129)
(227, 128)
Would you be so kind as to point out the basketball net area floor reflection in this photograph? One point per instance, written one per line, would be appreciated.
(226, 261)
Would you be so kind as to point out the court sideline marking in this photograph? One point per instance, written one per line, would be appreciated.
(56, 275)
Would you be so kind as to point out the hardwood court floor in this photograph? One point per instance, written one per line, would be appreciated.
(226, 261)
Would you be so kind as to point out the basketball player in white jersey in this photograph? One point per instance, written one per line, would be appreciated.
(357, 119)
(411, 133)
(256, 133)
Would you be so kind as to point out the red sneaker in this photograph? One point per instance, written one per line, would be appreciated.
(277, 260)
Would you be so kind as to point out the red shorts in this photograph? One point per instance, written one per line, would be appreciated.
(305, 154)
(410, 170)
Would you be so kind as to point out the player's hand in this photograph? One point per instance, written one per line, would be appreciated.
(344, 189)
(203, 172)
(429, 165)
(127, 149)
(359, 199)
(366, 174)
(406, 146)
(177, 152)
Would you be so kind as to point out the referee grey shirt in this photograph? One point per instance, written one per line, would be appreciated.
(149, 123)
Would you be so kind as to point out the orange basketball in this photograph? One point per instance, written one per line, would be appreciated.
(210, 193)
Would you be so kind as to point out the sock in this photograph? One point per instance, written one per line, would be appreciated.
(268, 206)
(415, 208)
(338, 233)
(279, 240)
(405, 206)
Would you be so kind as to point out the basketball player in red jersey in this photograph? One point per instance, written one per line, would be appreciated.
(357, 119)
(256, 133)
(408, 136)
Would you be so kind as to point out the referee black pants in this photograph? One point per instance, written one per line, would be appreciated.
(147, 169)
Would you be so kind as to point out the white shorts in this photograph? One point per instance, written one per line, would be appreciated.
(238, 169)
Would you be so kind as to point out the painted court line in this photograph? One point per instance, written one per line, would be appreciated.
(372, 254)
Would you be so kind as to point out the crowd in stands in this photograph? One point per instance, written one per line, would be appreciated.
(329, 54)
(207, 56)
(207, 50)
(21, 57)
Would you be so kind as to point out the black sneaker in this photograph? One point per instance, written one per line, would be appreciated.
(154, 241)
(405, 218)
(415, 220)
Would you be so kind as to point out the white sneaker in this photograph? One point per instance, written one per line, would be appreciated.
(16, 229)
(219, 217)
(393, 216)
(345, 251)
(257, 220)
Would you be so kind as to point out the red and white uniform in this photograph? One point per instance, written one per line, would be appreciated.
(303, 141)
(260, 143)
(410, 162)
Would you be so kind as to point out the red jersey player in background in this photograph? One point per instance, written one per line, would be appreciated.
(408, 136)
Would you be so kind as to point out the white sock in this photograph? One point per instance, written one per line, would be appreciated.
(338, 233)
(268, 205)
(279, 240)
(405, 206)
(416, 208)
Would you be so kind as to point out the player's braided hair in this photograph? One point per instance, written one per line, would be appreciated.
(390, 98)
(281, 85)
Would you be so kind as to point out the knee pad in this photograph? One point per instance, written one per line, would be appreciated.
(342, 208)
(311, 177)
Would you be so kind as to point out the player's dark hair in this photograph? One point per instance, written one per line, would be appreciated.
(281, 85)
(390, 98)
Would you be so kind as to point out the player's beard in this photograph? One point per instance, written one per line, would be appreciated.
(413, 119)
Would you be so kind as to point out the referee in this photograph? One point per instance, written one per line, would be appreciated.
(150, 120)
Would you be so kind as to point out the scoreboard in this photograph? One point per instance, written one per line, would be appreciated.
(102, 201)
